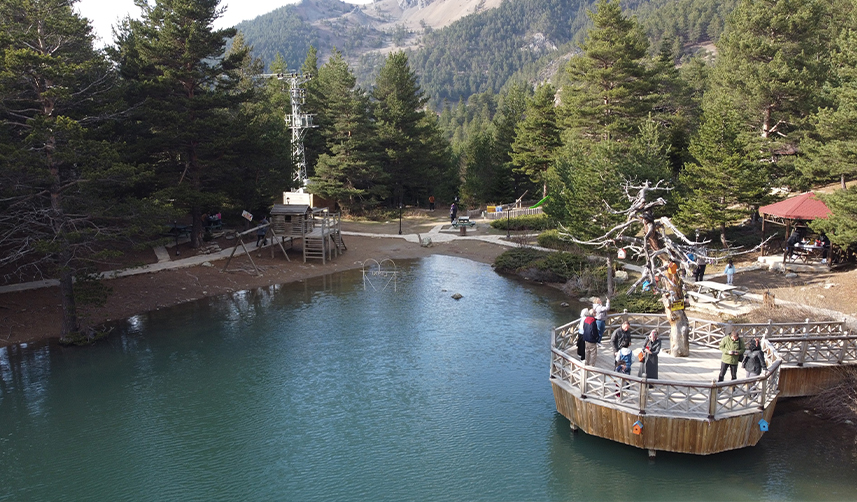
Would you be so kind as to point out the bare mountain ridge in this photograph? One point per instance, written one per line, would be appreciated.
(381, 26)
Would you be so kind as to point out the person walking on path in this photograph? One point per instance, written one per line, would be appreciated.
(754, 360)
(590, 339)
(453, 213)
(651, 349)
(620, 335)
(730, 272)
(262, 232)
(431, 202)
(699, 274)
(732, 347)
(600, 313)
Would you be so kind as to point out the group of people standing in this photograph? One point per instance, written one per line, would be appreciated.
(593, 322)
(591, 331)
(735, 351)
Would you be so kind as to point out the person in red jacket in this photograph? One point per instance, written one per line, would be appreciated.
(590, 338)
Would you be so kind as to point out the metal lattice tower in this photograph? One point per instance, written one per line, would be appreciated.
(298, 122)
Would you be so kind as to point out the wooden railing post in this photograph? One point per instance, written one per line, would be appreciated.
(842, 349)
(644, 396)
(764, 395)
(583, 377)
(712, 401)
(803, 346)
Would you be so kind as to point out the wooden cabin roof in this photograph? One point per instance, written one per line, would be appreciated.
(290, 209)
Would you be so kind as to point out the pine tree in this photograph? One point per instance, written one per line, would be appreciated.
(188, 91)
(511, 109)
(610, 90)
(722, 183)
(832, 150)
(771, 66)
(348, 172)
(841, 225)
(415, 154)
(257, 165)
(60, 187)
(537, 137)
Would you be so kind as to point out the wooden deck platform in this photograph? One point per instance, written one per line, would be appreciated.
(685, 409)
(702, 365)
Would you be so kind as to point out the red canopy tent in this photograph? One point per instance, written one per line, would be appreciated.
(803, 207)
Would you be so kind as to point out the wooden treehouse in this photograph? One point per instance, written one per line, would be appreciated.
(686, 410)
(319, 230)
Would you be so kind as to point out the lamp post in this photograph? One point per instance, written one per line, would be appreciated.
(508, 224)
(400, 218)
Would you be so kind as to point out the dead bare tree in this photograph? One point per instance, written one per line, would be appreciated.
(663, 258)
(666, 258)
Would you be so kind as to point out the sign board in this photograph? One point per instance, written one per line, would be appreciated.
(679, 305)
(247, 215)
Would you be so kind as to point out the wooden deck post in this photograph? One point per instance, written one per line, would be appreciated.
(583, 383)
(712, 401)
(764, 395)
(644, 396)
(804, 345)
(841, 357)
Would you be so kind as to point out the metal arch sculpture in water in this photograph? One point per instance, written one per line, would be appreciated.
(386, 270)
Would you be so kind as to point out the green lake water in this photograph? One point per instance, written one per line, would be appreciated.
(323, 390)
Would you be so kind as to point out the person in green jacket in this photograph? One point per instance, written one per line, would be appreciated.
(732, 347)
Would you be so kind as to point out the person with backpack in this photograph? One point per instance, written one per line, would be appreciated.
(754, 359)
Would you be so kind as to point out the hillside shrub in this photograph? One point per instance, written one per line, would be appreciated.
(532, 222)
(550, 239)
(639, 302)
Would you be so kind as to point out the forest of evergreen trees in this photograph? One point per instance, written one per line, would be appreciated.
(102, 146)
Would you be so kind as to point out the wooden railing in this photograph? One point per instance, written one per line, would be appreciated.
(801, 342)
(642, 396)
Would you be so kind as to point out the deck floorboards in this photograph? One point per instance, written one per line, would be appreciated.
(702, 365)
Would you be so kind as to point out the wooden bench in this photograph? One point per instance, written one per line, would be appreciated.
(703, 298)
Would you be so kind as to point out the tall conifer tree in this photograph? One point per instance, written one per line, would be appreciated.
(60, 188)
(415, 153)
(537, 137)
(188, 89)
(610, 90)
(348, 172)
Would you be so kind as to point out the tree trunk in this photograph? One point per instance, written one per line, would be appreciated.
(610, 276)
(69, 306)
(63, 257)
(842, 180)
(679, 330)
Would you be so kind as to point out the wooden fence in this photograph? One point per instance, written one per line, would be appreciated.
(514, 213)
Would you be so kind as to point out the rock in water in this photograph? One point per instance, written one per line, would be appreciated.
(457, 296)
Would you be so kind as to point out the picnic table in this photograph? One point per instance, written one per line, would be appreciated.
(176, 230)
(806, 252)
(713, 292)
(463, 221)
